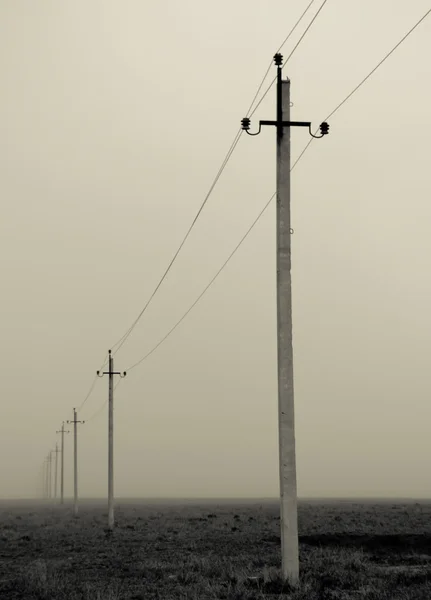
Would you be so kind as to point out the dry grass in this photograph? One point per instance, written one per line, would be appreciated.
(226, 552)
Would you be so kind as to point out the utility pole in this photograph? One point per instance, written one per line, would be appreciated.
(50, 474)
(286, 418)
(45, 477)
(56, 451)
(111, 374)
(75, 461)
(40, 482)
(62, 431)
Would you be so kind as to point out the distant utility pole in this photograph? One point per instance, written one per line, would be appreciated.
(62, 431)
(50, 474)
(75, 461)
(40, 480)
(45, 477)
(287, 459)
(56, 451)
(111, 374)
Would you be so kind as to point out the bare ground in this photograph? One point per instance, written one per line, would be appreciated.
(213, 551)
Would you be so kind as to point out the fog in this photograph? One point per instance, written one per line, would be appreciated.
(115, 118)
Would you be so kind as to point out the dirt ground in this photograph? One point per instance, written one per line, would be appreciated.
(215, 550)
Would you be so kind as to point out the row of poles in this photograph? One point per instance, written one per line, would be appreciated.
(286, 420)
(287, 455)
(50, 491)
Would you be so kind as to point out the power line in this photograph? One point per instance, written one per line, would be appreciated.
(380, 63)
(355, 89)
(90, 391)
(290, 55)
(305, 32)
(116, 347)
(206, 288)
(272, 197)
(99, 410)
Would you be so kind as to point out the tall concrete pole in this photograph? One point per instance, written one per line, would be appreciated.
(45, 478)
(286, 416)
(111, 374)
(50, 474)
(41, 481)
(75, 461)
(75, 465)
(62, 465)
(111, 444)
(56, 470)
(62, 432)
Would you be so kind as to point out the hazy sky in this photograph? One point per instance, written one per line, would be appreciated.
(115, 117)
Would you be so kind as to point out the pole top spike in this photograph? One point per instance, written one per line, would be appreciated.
(278, 59)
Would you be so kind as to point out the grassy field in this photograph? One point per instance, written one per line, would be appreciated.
(213, 551)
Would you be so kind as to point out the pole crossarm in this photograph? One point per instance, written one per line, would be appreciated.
(280, 123)
(324, 127)
(111, 373)
(62, 431)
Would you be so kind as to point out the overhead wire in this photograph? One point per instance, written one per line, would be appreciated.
(119, 343)
(116, 347)
(204, 290)
(97, 413)
(99, 410)
(269, 202)
(90, 391)
(93, 384)
(356, 88)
